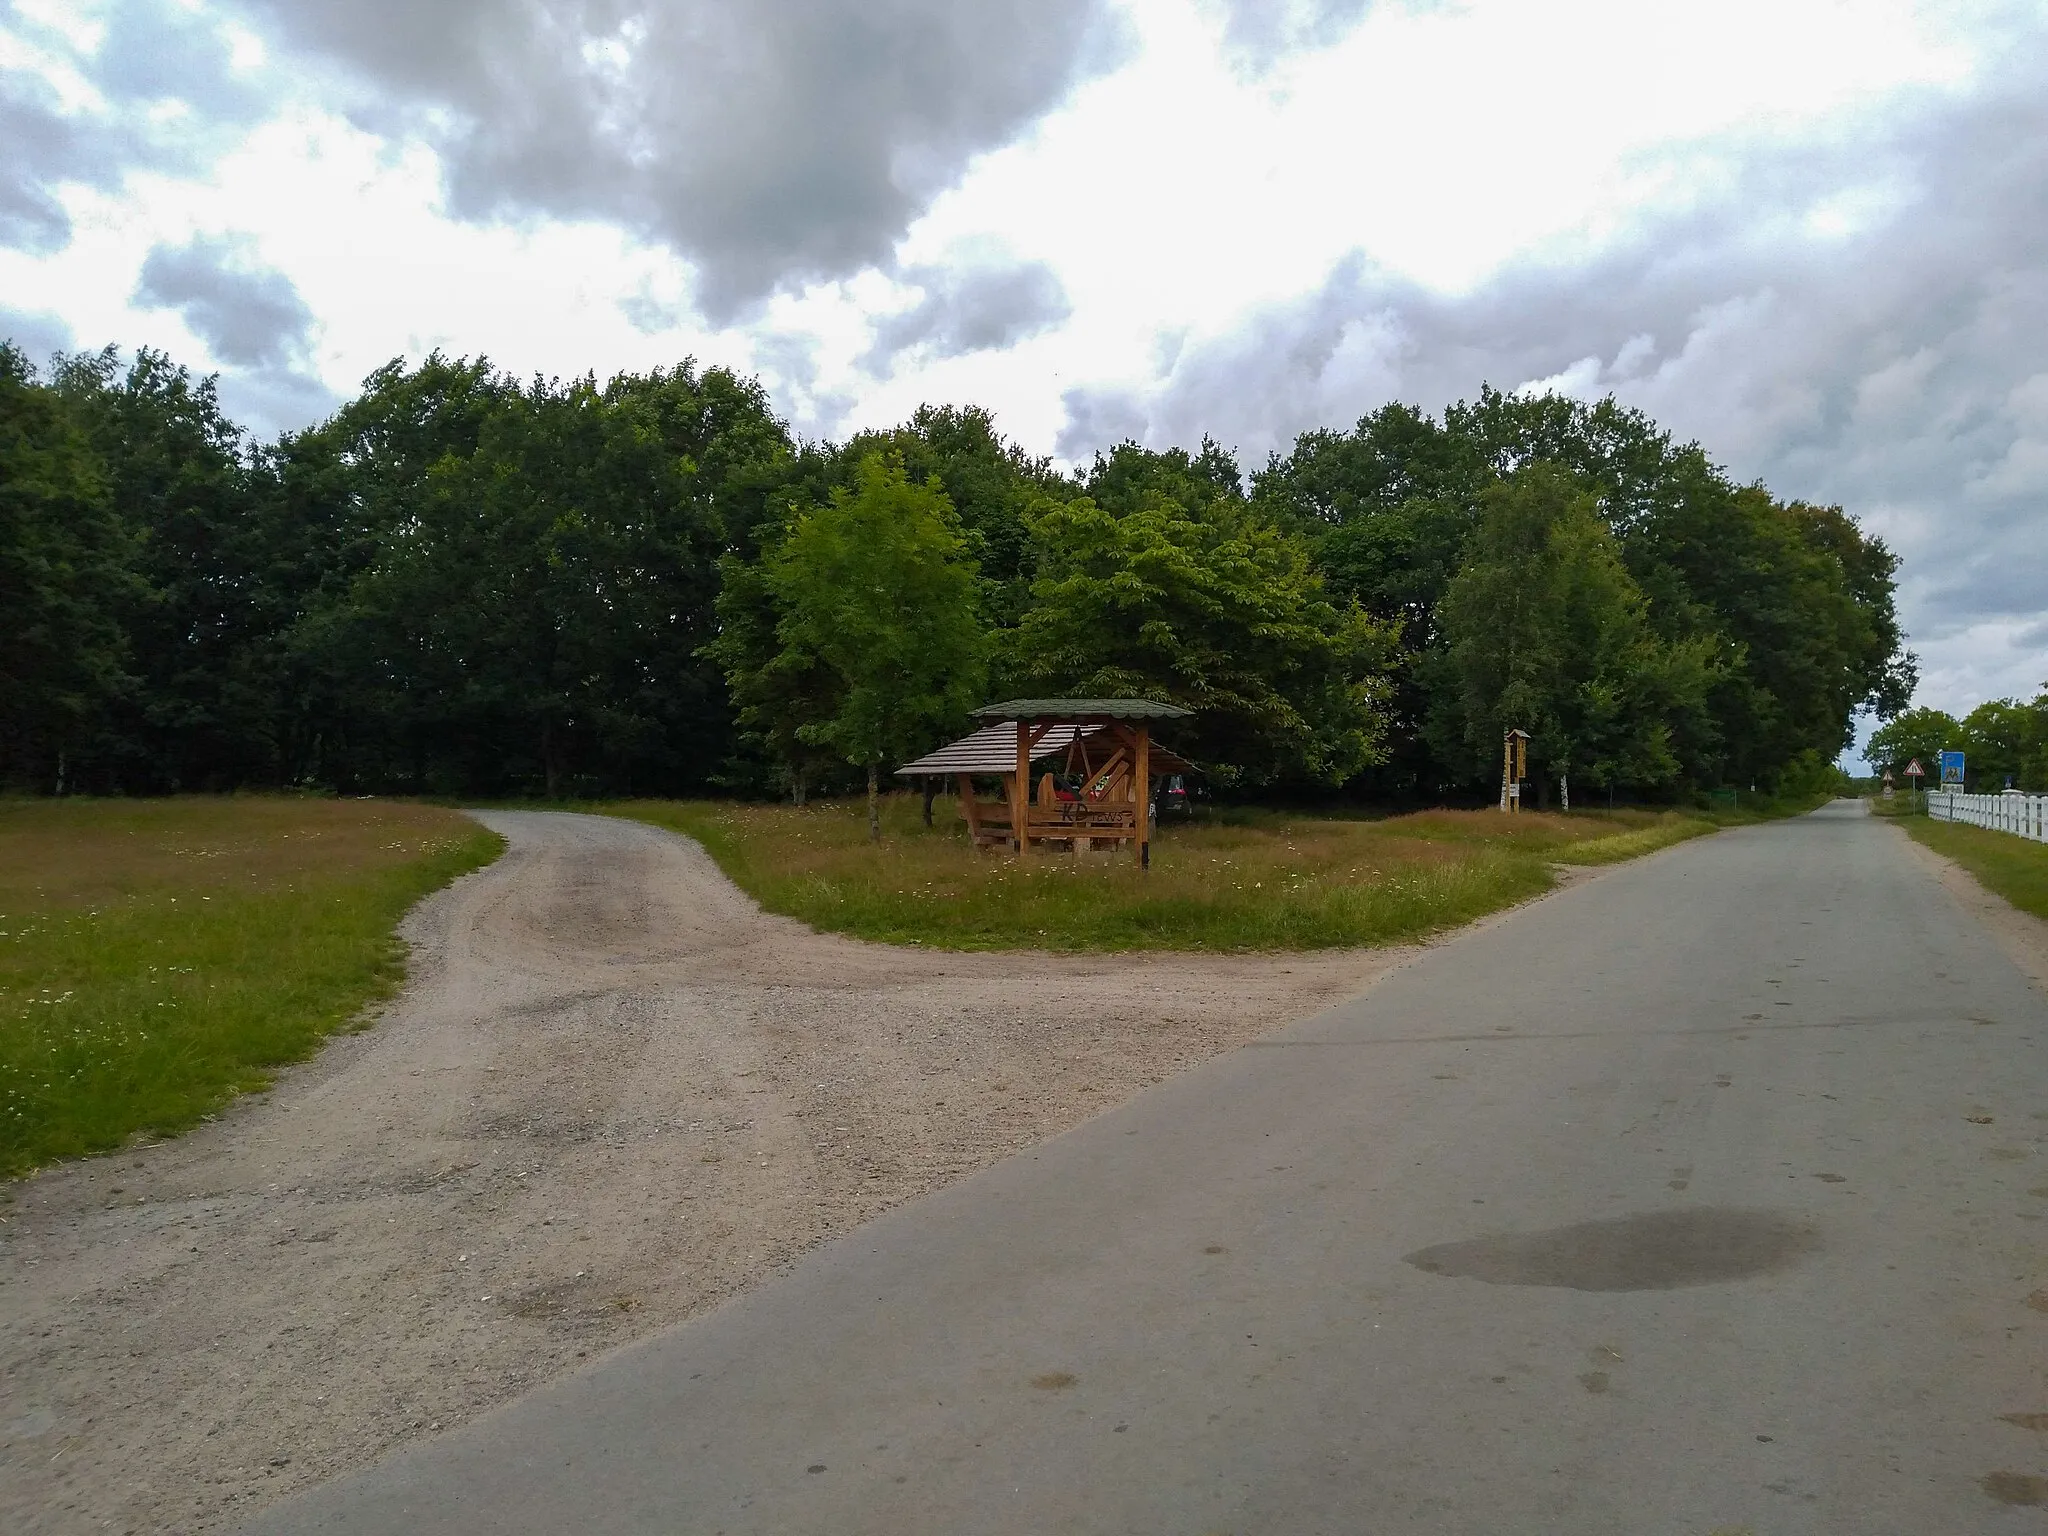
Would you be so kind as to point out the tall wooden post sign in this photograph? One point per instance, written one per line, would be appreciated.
(1513, 769)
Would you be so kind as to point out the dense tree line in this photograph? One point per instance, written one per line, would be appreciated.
(2004, 743)
(463, 583)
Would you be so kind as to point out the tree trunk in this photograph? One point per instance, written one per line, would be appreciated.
(931, 788)
(874, 801)
(1564, 791)
(549, 762)
(796, 785)
(61, 764)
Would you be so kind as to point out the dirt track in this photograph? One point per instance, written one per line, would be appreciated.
(614, 1093)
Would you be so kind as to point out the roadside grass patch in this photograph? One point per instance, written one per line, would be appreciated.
(1241, 880)
(1613, 848)
(2014, 867)
(159, 956)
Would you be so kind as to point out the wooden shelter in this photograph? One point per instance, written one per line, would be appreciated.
(1107, 757)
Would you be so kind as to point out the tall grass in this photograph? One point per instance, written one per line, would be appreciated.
(1249, 880)
(158, 957)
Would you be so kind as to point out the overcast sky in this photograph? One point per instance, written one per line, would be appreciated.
(1814, 236)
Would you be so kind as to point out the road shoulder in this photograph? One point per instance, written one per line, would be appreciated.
(2022, 936)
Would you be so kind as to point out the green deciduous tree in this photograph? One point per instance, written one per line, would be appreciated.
(1915, 734)
(1214, 608)
(2005, 740)
(206, 620)
(992, 483)
(540, 611)
(65, 581)
(460, 583)
(776, 688)
(2000, 738)
(1387, 508)
(876, 585)
(1543, 630)
(1794, 602)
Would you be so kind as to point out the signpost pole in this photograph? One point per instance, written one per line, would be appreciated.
(1514, 768)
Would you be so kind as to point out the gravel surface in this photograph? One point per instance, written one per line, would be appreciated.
(613, 1094)
(1705, 1198)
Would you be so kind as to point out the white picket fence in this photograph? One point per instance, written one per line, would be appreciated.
(2022, 815)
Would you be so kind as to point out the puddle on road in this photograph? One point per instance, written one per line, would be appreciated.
(1656, 1251)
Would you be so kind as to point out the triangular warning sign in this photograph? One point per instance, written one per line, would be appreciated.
(1914, 770)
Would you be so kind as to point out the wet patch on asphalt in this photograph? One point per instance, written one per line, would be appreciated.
(1654, 1251)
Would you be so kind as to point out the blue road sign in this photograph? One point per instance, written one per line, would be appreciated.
(1952, 769)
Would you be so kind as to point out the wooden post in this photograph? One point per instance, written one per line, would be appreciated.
(1020, 793)
(968, 810)
(1142, 775)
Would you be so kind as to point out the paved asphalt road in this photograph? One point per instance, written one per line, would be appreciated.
(1702, 1199)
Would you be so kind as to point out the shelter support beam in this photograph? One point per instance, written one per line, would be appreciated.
(1142, 772)
(969, 809)
(1020, 793)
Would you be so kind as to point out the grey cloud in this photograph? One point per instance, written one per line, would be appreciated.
(772, 141)
(787, 364)
(1100, 419)
(35, 334)
(972, 309)
(1898, 371)
(248, 315)
(152, 52)
(268, 401)
(648, 313)
(42, 150)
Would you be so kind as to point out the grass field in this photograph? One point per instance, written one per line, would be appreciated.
(1238, 880)
(158, 956)
(2014, 867)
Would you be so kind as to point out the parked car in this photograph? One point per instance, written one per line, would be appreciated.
(1173, 798)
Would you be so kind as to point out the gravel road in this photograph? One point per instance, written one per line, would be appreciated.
(613, 1094)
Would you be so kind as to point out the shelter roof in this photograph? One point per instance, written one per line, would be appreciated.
(993, 749)
(1082, 709)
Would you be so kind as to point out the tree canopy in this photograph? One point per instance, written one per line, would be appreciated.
(1211, 607)
(2000, 739)
(1543, 629)
(876, 589)
(465, 583)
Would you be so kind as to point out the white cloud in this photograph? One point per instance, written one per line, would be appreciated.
(1428, 195)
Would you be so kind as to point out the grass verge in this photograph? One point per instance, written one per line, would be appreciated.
(2011, 866)
(159, 956)
(1240, 880)
(1637, 841)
